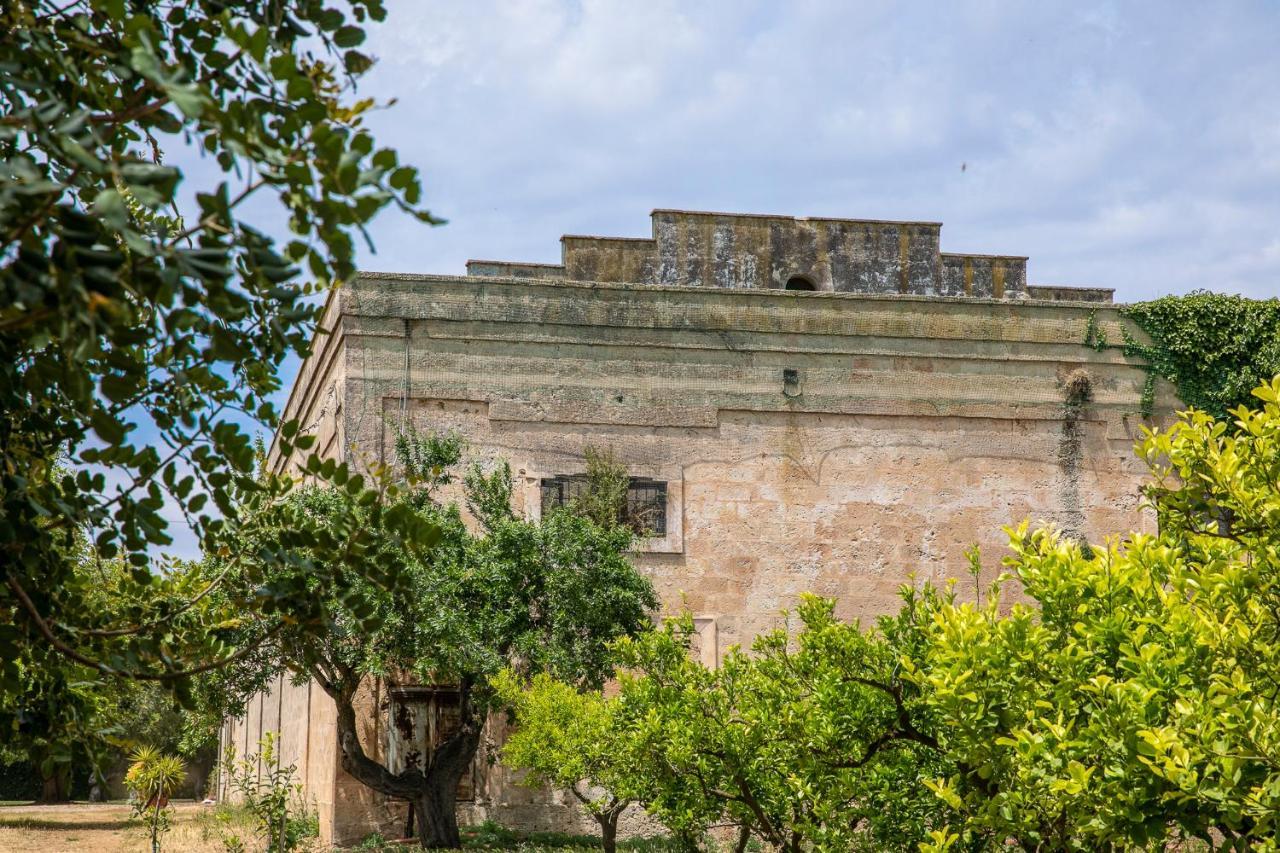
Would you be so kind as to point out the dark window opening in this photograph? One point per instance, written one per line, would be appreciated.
(644, 510)
(799, 282)
(421, 719)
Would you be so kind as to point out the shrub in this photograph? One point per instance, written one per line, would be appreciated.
(280, 815)
(151, 780)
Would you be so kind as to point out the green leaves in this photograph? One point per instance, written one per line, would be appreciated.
(1127, 707)
(139, 341)
(348, 36)
(1214, 348)
(809, 741)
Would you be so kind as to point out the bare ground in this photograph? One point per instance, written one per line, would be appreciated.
(102, 828)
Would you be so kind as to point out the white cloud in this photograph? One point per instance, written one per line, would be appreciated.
(1117, 144)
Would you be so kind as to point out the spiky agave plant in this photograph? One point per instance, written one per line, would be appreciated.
(151, 779)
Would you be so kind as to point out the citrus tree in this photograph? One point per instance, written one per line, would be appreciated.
(811, 741)
(569, 739)
(1134, 702)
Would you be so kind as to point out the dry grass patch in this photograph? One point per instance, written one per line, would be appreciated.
(102, 828)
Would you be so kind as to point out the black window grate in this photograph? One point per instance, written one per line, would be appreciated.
(644, 511)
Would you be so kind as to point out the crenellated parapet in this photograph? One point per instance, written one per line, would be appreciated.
(754, 251)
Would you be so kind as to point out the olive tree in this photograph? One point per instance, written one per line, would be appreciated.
(546, 596)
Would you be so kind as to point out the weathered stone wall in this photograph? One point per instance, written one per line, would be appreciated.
(750, 251)
(506, 269)
(1059, 293)
(828, 442)
(610, 259)
(822, 442)
(303, 719)
(992, 276)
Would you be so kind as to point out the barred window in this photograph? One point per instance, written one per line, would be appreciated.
(644, 511)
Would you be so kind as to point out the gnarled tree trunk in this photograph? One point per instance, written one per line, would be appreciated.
(608, 820)
(437, 804)
(433, 790)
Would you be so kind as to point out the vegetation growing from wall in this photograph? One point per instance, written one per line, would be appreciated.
(605, 496)
(1214, 348)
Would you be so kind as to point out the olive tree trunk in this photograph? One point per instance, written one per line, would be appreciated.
(437, 803)
(432, 789)
(56, 787)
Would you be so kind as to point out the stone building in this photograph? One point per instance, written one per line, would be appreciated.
(826, 405)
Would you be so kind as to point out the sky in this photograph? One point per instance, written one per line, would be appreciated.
(1126, 145)
(1134, 146)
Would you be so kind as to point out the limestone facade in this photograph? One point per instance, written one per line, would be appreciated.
(844, 440)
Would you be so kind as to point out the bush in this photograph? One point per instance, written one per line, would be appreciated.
(151, 780)
(19, 781)
(280, 815)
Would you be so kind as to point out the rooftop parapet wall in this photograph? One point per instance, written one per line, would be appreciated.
(759, 252)
(764, 252)
(991, 276)
(506, 269)
(614, 259)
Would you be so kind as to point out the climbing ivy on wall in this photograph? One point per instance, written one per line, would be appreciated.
(1214, 348)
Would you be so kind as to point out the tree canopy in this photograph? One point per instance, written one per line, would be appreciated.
(546, 596)
(141, 334)
(1123, 698)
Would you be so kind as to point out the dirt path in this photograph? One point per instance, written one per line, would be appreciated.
(100, 827)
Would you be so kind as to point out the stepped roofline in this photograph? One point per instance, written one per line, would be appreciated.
(693, 248)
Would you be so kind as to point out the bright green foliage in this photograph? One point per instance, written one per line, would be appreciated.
(1125, 700)
(1136, 705)
(266, 790)
(428, 461)
(1214, 348)
(136, 338)
(507, 592)
(151, 779)
(1046, 706)
(813, 742)
(569, 738)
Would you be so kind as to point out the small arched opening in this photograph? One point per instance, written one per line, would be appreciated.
(799, 282)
